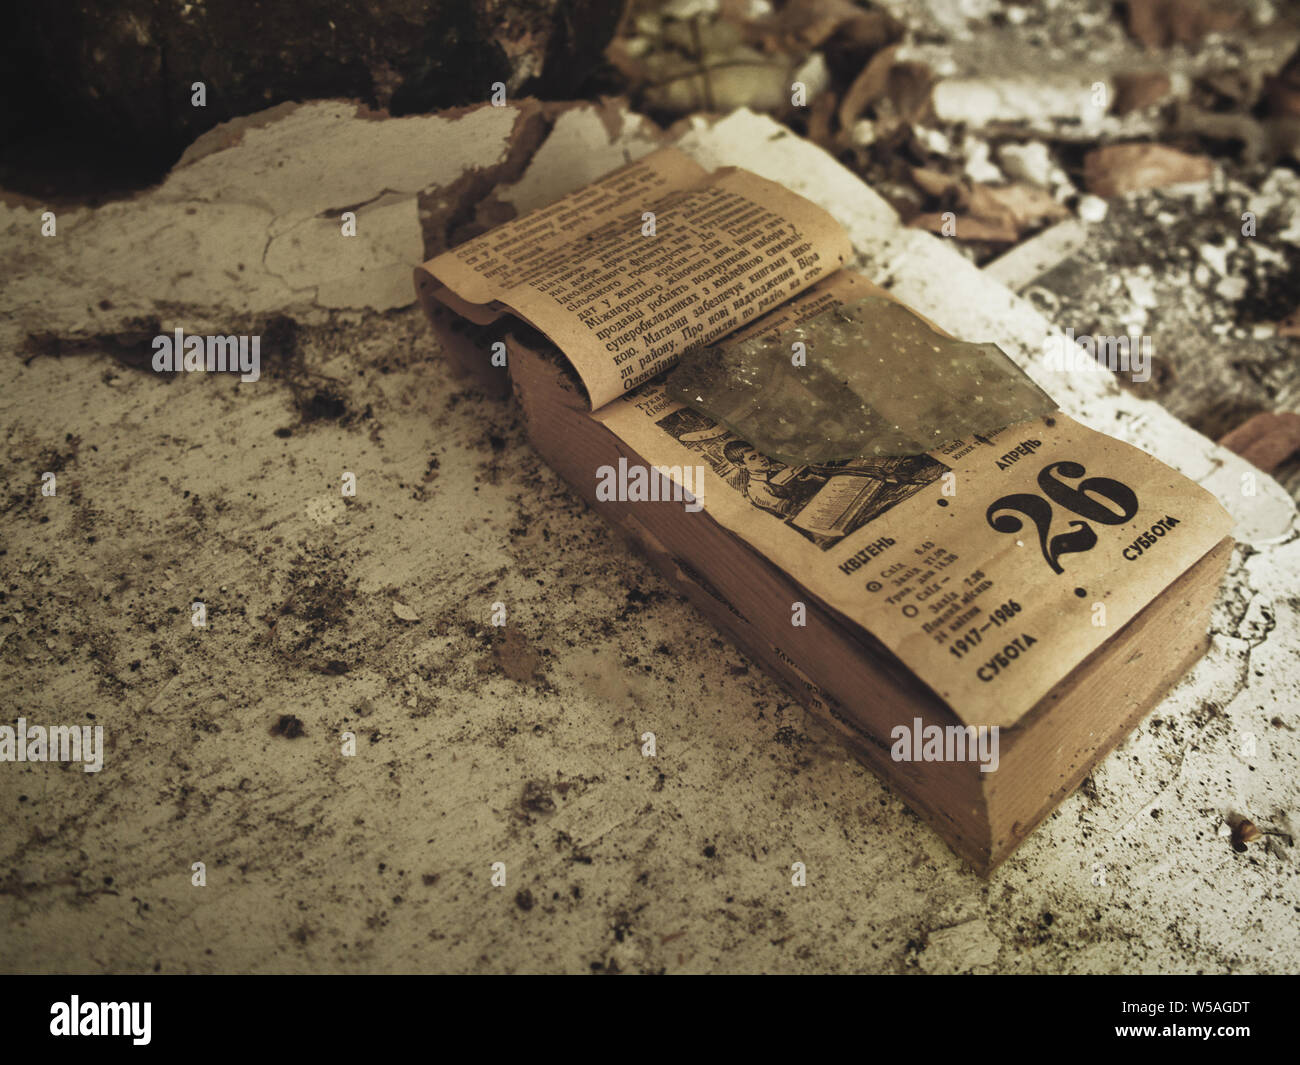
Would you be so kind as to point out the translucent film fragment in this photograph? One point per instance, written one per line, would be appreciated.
(871, 379)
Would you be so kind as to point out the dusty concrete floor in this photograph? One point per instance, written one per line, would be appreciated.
(520, 745)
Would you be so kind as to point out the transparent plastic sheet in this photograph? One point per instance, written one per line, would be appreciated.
(875, 380)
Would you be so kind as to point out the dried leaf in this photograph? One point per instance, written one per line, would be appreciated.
(1025, 205)
(1161, 23)
(867, 87)
(990, 212)
(933, 182)
(1139, 90)
(1121, 168)
(819, 120)
(405, 612)
(910, 90)
(1244, 832)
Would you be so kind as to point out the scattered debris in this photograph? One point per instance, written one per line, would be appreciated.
(997, 213)
(1022, 265)
(693, 55)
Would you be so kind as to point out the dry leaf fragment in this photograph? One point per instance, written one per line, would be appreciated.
(933, 182)
(1139, 90)
(998, 213)
(867, 87)
(900, 91)
(405, 612)
(1023, 204)
(911, 91)
(1161, 23)
(1244, 832)
(1121, 168)
(819, 120)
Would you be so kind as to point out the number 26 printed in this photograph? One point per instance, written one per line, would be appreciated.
(1002, 513)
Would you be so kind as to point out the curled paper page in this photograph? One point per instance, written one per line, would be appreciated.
(866, 378)
(631, 271)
